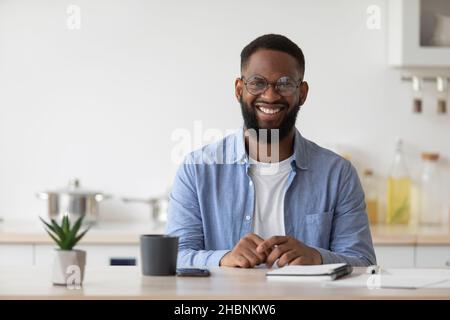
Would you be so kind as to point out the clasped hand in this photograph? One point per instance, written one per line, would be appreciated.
(253, 250)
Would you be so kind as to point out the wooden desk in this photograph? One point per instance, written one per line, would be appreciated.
(224, 283)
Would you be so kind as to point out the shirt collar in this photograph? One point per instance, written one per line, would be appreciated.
(300, 158)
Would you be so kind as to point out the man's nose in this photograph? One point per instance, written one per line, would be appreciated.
(270, 95)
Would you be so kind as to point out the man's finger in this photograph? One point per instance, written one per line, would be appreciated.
(242, 261)
(258, 240)
(275, 254)
(253, 257)
(271, 242)
(248, 244)
(287, 257)
(298, 261)
(255, 238)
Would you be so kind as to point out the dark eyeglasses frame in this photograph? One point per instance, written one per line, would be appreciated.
(274, 84)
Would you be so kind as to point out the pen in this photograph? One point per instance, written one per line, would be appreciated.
(373, 269)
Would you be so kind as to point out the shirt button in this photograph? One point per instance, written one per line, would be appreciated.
(247, 218)
(250, 183)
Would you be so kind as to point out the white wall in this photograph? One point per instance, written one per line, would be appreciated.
(101, 103)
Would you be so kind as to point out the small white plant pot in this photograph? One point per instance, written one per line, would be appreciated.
(68, 267)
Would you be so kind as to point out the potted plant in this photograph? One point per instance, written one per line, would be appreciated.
(68, 266)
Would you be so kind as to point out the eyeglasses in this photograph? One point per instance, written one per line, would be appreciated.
(285, 86)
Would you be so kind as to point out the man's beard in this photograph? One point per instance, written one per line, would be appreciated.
(251, 121)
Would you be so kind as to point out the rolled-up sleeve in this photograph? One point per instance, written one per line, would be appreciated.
(351, 240)
(185, 221)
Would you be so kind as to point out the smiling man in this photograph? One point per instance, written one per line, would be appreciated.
(270, 195)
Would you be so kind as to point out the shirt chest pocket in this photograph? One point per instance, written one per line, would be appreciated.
(318, 229)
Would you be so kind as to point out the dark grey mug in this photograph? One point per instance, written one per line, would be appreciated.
(158, 254)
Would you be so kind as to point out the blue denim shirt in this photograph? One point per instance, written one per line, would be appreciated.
(212, 203)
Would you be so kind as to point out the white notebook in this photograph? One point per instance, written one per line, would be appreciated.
(313, 272)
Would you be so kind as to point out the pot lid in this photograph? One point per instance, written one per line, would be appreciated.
(74, 188)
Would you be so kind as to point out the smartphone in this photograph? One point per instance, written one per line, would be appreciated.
(192, 272)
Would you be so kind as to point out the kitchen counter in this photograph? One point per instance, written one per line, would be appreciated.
(105, 233)
(410, 235)
(224, 283)
(117, 233)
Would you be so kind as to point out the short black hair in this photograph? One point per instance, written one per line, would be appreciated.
(273, 42)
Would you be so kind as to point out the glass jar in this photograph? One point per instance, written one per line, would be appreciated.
(371, 196)
(431, 199)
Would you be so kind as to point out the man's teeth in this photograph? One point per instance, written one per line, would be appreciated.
(269, 110)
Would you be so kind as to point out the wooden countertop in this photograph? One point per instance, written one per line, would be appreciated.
(106, 233)
(224, 283)
(410, 235)
(115, 233)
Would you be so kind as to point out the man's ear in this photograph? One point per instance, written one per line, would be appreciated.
(304, 88)
(238, 88)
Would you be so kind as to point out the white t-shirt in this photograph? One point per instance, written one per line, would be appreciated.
(270, 181)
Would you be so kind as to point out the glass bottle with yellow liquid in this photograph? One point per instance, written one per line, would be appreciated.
(398, 189)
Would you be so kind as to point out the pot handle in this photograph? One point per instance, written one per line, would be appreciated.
(42, 195)
(100, 197)
(138, 200)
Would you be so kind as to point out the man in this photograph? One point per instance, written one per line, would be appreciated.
(270, 196)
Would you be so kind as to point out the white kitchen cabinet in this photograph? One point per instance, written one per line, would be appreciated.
(395, 256)
(411, 30)
(432, 256)
(16, 255)
(97, 255)
(388, 256)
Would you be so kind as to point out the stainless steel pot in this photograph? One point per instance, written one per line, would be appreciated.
(74, 201)
(158, 208)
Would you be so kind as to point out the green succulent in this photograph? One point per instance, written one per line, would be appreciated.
(65, 235)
